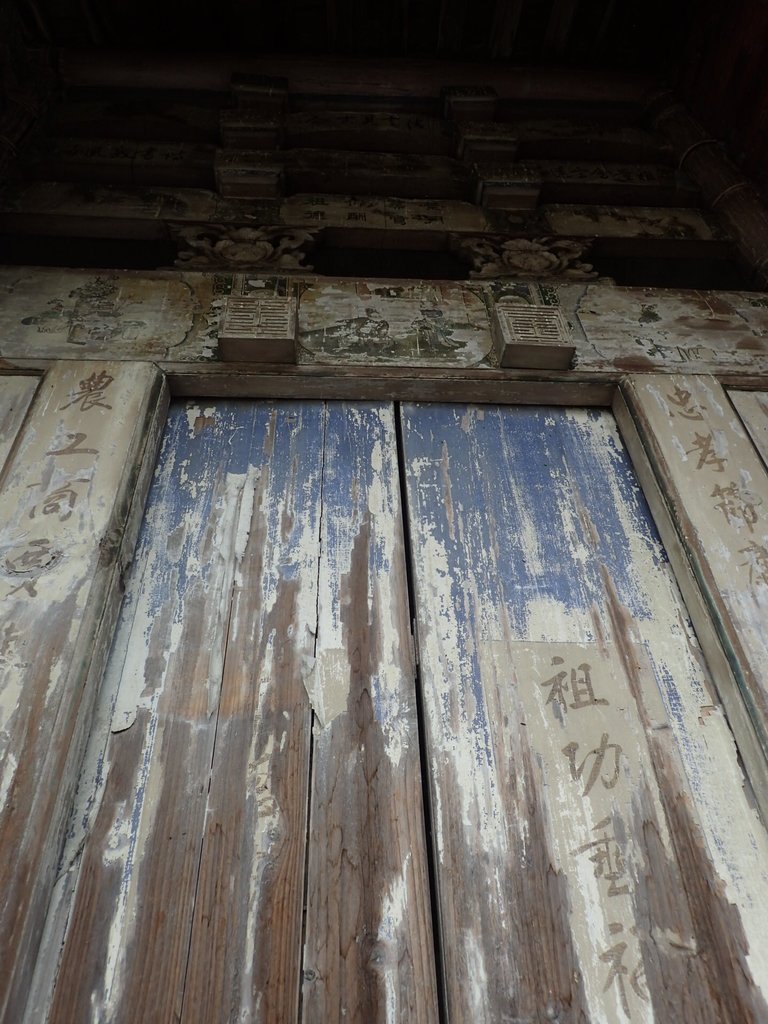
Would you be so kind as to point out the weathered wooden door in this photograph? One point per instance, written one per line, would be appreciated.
(405, 720)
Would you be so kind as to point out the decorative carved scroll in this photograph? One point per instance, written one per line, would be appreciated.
(217, 245)
(492, 256)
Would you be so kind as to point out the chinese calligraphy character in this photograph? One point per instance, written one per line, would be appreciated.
(736, 504)
(72, 449)
(683, 400)
(582, 688)
(36, 555)
(7, 641)
(30, 560)
(61, 501)
(757, 560)
(607, 858)
(618, 971)
(91, 392)
(599, 754)
(704, 446)
(28, 586)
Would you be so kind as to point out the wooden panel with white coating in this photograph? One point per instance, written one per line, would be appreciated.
(597, 854)
(175, 798)
(716, 486)
(16, 393)
(73, 489)
(752, 407)
(368, 951)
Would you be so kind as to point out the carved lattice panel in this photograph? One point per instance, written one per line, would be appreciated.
(533, 336)
(258, 330)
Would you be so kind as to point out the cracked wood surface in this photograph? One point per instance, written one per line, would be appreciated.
(716, 487)
(368, 952)
(248, 839)
(72, 496)
(597, 855)
(16, 394)
(192, 815)
(173, 318)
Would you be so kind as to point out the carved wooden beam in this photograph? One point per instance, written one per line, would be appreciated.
(729, 194)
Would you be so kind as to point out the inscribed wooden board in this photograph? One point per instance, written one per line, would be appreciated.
(71, 494)
(16, 393)
(597, 854)
(717, 487)
(752, 407)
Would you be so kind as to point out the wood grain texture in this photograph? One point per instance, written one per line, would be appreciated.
(752, 407)
(235, 493)
(587, 799)
(368, 951)
(16, 394)
(245, 951)
(391, 383)
(716, 487)
(71, 493)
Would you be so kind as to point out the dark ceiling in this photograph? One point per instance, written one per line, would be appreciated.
(714, 52)
(604, 33)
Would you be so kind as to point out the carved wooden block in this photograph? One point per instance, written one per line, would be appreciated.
(469, 102)
(487, 142)
(260, 92)
(255, 330)
(507, 194)
(536, 337)
(247, 174)
(250, 129)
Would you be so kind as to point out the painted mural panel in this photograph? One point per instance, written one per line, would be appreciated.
(77, 315)
(416, 324)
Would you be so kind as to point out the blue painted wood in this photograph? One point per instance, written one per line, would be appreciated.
(369, 952)
(533, 545)
(231, 530)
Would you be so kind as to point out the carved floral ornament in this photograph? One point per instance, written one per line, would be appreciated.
(214, 246)
(525, 257)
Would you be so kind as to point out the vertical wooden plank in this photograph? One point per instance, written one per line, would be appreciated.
(716, 488)
(245, 952)
(752, 406)
(236, 488)
(16, 394)
(597, 853)
(73, 489)
(368, 954)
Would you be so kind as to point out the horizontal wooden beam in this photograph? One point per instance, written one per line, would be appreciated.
(351, 76)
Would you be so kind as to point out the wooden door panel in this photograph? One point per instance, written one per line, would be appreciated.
(597, 854)
(219, 511)
(369, 954)
(205, 775)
